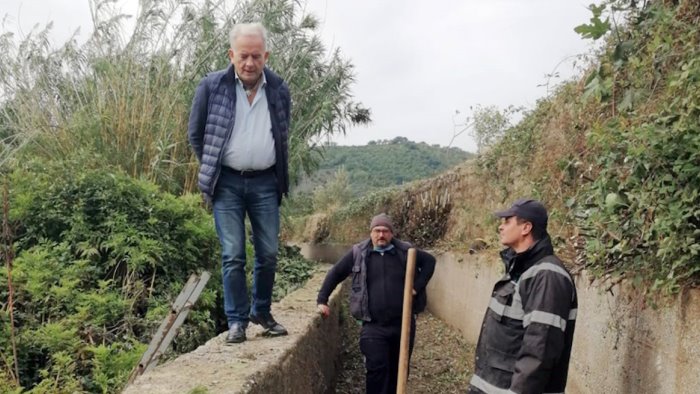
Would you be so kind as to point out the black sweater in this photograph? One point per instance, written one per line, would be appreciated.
(385, 281)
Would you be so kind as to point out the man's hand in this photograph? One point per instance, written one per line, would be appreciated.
(324, 310)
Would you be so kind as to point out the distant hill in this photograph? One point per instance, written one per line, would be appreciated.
(383, 163)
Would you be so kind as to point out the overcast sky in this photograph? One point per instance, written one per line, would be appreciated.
(416, 61)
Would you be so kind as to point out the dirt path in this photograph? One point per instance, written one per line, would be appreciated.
(442, 361)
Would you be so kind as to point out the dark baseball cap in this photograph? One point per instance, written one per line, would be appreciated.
(528, 209)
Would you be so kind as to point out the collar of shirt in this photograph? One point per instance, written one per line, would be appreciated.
(388, 248)
(263, 83)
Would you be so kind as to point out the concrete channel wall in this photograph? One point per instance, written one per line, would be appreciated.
(306, 361)
(621, 344)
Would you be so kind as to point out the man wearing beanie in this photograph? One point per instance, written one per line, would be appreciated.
(378, 268)
(525, 341)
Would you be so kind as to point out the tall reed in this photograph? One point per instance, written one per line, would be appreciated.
(125, 96)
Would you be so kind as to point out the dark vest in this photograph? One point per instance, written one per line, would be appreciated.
(359, 300)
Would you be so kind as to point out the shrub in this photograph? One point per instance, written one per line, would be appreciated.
(96, 254)
(100, 257)
(641, 212)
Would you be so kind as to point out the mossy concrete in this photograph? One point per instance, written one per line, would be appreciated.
(305, 361)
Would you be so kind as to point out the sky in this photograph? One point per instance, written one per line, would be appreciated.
(417, 62)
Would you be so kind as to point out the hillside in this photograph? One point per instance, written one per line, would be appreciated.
(614, 155)
(383, 163)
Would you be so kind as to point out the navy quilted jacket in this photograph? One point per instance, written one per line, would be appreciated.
(211, 124)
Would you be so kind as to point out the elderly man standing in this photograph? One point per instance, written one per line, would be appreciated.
(378, 268)
(525, 341)
(238, 130)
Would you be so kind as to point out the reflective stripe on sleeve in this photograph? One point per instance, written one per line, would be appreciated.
(514, 311)
(545, 267)
(550, 319)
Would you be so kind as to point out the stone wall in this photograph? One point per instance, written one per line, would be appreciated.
(621, 344)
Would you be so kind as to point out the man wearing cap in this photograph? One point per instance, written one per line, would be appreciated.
(526, 336)
(378, 268)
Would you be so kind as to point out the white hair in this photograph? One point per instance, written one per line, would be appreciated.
(248, 29)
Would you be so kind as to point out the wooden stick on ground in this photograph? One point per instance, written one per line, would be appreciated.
(406, 322)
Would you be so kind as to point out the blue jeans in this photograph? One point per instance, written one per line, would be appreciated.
(234, 197)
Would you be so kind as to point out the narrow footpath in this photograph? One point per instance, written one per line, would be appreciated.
(442, 361)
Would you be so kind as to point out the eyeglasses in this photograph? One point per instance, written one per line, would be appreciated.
(381, 231)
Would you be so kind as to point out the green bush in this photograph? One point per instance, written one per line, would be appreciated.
(332, 194)
(293, 270)
(641, 213)
(100, 257)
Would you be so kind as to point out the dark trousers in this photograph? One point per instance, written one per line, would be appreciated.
(381, 345)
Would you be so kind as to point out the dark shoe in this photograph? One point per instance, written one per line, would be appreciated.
(236, 334)
(272, 328)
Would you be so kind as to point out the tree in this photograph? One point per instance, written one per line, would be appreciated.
(489, 126)
(335, 193)
(486, 125)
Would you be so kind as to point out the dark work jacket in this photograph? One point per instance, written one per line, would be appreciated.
(355, 263)
(211, 123)
(527, 333)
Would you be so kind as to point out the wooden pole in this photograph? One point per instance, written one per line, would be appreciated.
(406, 322)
